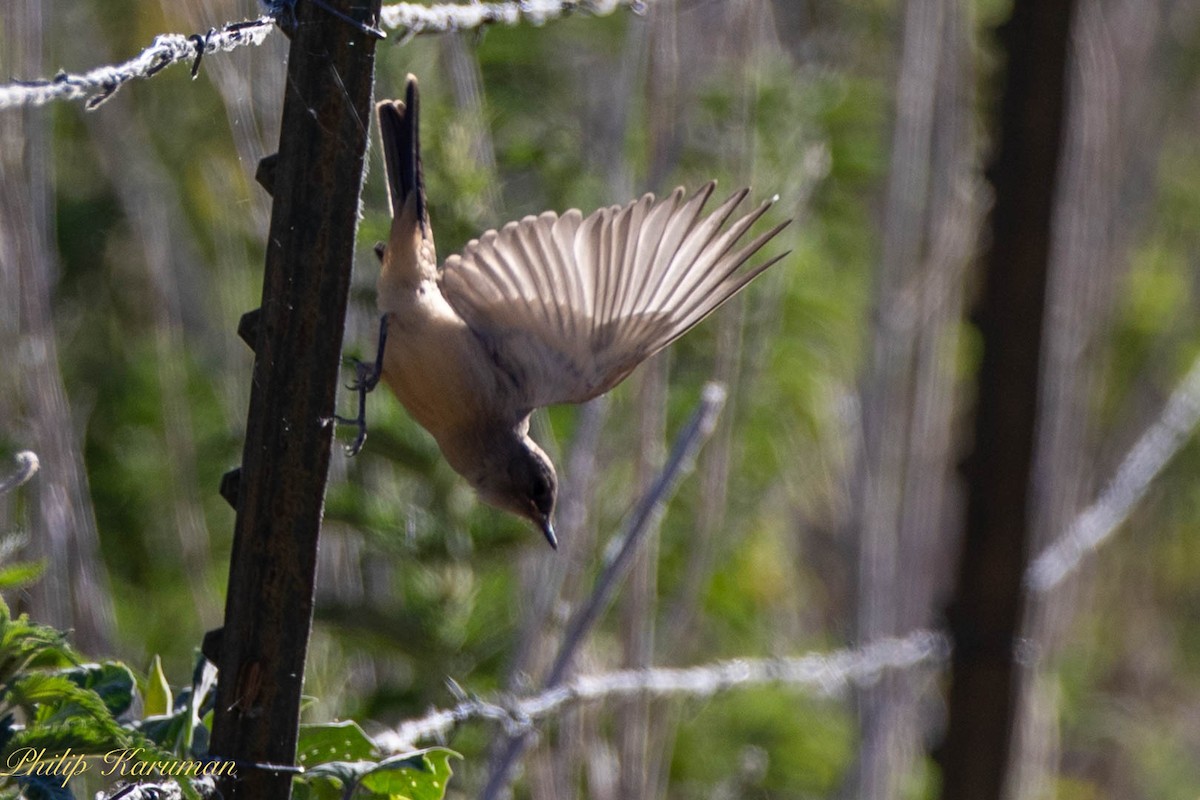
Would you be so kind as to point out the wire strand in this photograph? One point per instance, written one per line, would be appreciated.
(414, 19)
(823, 674)
(99, 84)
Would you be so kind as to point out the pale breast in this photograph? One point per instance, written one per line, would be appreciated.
(434, 363)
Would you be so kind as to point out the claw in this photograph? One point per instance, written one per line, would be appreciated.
(354, 447)
(366, 378)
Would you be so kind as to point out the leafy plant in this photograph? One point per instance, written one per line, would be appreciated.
(60, 716)
(55, 710)
(341, 761)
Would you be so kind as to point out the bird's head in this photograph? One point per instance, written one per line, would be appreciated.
(522, 481)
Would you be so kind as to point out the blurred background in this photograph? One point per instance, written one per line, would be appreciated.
(823, 512)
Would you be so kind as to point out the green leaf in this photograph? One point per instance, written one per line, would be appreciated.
(346, 773)
(422, 775)
(165, 730)
(64, 714)
(82, 734)
(204, 682)
(23, 645)
(333, 741)
(51, 691)
(113, 682)
(158, 692)
(7, 729)
(317, 787)
(23, 573)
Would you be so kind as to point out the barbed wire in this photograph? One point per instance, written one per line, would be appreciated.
(823, 674)
(833, 673)
(414, 19)
(1153, 450)
(99, 84)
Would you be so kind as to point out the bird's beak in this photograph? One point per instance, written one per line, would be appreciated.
(548, 531)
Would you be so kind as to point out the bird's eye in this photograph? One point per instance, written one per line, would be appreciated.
(541, 496)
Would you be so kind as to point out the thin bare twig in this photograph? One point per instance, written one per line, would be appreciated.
(824, 674)
(624, 545)
(617, 560)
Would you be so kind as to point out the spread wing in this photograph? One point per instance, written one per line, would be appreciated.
(567, 306)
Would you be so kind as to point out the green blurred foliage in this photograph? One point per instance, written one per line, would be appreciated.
(428, 583)
(762, 743)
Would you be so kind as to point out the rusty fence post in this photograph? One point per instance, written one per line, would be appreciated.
(279, 491)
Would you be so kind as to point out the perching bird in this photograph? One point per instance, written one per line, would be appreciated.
(551, 309)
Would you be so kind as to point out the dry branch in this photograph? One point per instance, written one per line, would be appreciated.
(617, 560)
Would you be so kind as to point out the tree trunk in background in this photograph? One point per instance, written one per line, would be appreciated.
(556, 586)
(466, 80)
(156, 218)
(248, 81)
(1110, 58)
(986, 611)
(747, 25)
(638, 605)
(907, 503)
(73, 594)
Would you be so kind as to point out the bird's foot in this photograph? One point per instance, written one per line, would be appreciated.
(356, 446)
(366, 378)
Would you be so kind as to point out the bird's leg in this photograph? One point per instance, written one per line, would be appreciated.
(366, 378)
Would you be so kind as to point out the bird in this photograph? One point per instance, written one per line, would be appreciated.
(550, 309)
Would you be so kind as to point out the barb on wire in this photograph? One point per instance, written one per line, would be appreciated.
(823, 674)
(99, 84)
(27, 467)
(1145, 460)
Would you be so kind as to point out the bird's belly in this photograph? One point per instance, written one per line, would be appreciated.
(434, 365)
